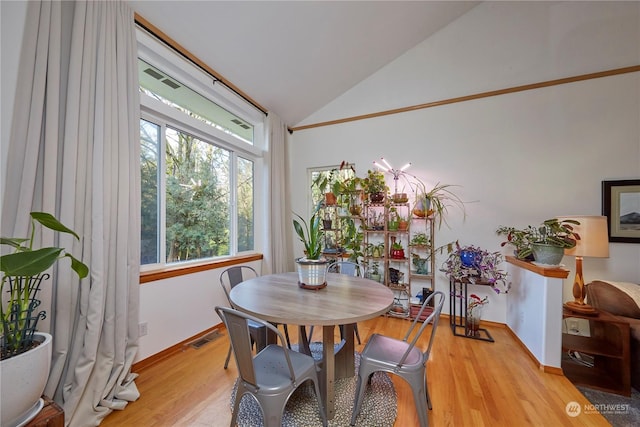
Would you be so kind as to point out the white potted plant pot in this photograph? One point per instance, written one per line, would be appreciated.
(24, 378)
(312, 273)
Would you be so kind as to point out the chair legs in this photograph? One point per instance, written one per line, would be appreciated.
(226, 361)
(273, 406)
(418, 387)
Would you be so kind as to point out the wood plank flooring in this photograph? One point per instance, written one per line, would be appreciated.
(471, 383)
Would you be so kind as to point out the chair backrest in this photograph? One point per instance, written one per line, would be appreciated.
(432, 318)
(237, 324)
(234, 275)
(346, 267)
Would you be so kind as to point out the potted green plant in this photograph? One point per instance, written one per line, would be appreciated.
(375, 186)
(436, 201)
(312, 267)
(25, 352)
(546, 243)
(484, 269)
(520, 239)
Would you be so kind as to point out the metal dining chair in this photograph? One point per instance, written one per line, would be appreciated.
(230, 278)
(270, 376)
(402, 358)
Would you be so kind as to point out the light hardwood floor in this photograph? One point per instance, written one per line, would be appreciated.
(471, 383)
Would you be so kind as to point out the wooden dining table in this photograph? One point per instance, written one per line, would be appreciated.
(345, 300)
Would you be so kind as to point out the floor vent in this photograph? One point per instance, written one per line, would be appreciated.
(206, 339)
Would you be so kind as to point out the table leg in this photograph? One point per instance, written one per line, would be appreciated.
(327, 382)
(345, 363)
(303, 341)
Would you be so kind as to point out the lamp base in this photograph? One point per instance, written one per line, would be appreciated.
(585, 309)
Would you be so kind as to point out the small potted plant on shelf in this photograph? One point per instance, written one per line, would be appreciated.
(374, 274)
(393, 223)
(546, 242)
(436, 202)
(312, 267)
(483, 268)
(375, 186)
(397, 251)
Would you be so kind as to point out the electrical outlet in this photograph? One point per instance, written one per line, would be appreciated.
(143, 329)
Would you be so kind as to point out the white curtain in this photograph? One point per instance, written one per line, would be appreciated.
(279, 258)
(74, 152)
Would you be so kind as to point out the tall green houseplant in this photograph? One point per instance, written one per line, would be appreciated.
(23, 271)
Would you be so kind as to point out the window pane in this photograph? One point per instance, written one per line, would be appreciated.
(197, 198)
(245, 205)
(150, 176)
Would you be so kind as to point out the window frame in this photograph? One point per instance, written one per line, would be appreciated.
(155, 53)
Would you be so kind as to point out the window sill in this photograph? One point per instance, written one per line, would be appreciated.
(182, 270)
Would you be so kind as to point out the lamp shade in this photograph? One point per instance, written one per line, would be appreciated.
(594, 238)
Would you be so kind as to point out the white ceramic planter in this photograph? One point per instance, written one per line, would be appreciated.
(312, 273)
(24, 378)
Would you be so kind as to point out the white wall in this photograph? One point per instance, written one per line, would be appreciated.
(178, 308)
(519, 158)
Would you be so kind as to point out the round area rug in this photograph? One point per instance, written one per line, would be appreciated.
(379, 407)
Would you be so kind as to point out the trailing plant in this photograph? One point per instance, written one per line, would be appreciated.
(438, 201)
(23, 272)
(485, 268)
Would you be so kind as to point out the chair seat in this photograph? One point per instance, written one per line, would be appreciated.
(274, 375)
(388, 351)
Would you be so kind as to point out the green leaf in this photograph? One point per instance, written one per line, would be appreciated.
(29, 263)
(78, 266)
(52, 223)
(12, 241)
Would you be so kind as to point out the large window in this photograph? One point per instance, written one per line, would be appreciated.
(198, 165)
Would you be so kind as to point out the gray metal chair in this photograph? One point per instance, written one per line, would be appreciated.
(228, 279)
(272, 375)
(402, 358)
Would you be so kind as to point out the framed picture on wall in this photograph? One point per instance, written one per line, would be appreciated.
(621, 206)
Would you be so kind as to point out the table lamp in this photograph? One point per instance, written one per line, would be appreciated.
(594, 242)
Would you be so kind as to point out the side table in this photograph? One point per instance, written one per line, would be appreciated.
(51, 415)
(607, 348)
(458, 315)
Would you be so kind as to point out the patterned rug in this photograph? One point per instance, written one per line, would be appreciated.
(379, 407)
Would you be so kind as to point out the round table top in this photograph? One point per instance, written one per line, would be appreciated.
(278, 298)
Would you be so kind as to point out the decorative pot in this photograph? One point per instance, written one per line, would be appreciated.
(547, 254)
(400, 198)
(330, 199)
(403, 225)
(397, 253)
(421, 265)
(376, 197)
(24, 378)
(355, 210)
(312, 273)
(468, 258)
(392, 225)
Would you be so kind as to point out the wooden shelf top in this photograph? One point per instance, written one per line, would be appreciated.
(555, 272)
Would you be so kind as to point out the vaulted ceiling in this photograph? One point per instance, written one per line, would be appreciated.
(294, 57)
